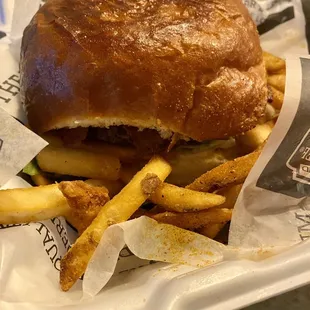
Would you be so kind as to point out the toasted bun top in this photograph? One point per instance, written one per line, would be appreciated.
(179, 66)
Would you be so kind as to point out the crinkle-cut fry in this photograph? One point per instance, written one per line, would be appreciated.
(178, 199)
(194, 220)
(273, 63)
(277, 98)
(85, 202)
(231, 194)
(40, 179)
(230, 173)
(79, 163)
(114, 187)
(277, 81)
(212, 230)
(24, 205)
(254, 138)
(117, 210)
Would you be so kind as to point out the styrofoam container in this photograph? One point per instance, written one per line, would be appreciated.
(238, 279)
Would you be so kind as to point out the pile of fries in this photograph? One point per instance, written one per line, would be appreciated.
(117, 190)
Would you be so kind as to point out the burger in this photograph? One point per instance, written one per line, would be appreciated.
(180, 78)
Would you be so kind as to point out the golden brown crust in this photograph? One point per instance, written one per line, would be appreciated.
(85, 202)
(186, 66)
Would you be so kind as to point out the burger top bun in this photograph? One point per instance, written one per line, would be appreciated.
(178, 66)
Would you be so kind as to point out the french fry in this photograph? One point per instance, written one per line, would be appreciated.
(80, 163)
(277, 98)
(45, 202)
(273, 63)
(211, 231)
(230, 173)
(117, 210)
(231, 194)
(24, 205)
(194, 220)
(40, 179)
(125, 154)
(255, 137)
(277, 81)
(178, 199)
(114, 187)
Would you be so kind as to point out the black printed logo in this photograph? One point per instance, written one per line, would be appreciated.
(303, 224)
(271, 13)
(299, 162)
(9, 88)
(288, 171)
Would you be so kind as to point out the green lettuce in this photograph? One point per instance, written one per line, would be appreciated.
(32, 168)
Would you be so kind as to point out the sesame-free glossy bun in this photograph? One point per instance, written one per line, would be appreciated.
(178, 66)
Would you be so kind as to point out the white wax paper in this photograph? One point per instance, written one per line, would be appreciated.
(18, 146)
(277, 217)
(264, 222)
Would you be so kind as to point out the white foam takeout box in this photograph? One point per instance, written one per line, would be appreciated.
(278, 260)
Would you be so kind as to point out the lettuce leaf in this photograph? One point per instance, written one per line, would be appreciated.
(32, 168)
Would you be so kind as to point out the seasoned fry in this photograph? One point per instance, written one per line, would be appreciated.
(194, 220)
(80, 163)
(231, 194)
(277, 81)
(273, 63)
(45, 202)
(277, 98)
(114, 187)
(252, 139)
(40, 179)
(230, 173)
(117, 210)
(32, 204)
(211, 231)
(178, 199)
(85, 202)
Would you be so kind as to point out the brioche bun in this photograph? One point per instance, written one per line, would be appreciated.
(178, 66)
